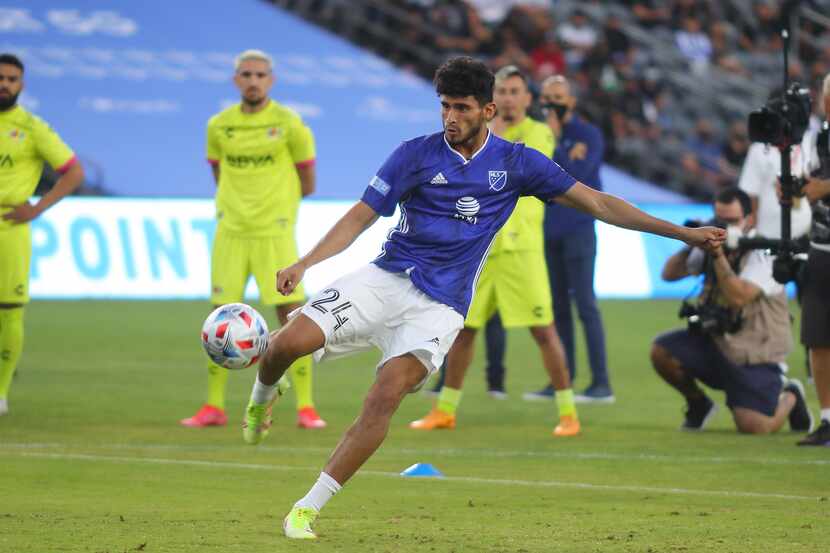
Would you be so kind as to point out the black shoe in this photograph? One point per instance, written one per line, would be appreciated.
(819, 436)
(800, 418)
(595, 394)
(698, 414)
(545, 394)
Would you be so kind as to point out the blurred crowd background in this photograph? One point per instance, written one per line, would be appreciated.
(669, 82)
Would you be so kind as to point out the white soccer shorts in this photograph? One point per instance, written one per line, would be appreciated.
(375, 308)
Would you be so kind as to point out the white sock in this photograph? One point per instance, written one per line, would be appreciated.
(262, 393)
(319, 494)
(825, 414)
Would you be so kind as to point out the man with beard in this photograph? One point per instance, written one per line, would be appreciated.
(262, 156)
(410, 303)
(514, 281)
(26, 142)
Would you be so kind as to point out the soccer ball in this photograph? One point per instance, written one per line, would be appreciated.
(235, 336)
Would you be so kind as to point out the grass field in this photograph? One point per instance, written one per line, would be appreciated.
(92, 458)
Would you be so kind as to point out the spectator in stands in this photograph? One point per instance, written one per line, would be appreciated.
(649, 13)
(764, 34)
(511, 52)
(547, 58)
(681, 10)
(578, 37)
(571, 241)
(694, 45)
(460, 28)
(616, 41)
(700, 162)
(734, 153)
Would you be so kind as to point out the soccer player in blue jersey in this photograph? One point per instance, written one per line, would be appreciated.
(455, 190)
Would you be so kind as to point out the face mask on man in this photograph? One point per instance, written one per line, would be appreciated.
(560, 109)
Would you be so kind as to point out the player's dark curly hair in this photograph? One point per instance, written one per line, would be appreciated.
(465, 76)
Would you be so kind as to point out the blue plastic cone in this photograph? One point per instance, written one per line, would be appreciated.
(423, 470)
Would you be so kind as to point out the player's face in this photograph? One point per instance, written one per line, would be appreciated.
(512, 98)
(464, 118)
(11, 83)
(254, 80)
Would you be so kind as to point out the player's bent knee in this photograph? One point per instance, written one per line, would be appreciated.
(300, 336)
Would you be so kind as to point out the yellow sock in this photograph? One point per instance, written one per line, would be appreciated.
(565, 402)
(217, 378)
(448, 400)
(11, 346)
(300, 371)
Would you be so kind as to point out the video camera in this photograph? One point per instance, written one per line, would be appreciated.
(782, 122)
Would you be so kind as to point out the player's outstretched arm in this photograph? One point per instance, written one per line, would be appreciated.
(342, 234)
(616, 211)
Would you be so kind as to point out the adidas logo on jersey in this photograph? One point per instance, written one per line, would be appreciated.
(438, 179)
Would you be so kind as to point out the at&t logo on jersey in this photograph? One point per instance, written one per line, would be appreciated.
(467, 209)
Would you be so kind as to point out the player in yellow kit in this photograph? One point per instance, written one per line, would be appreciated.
(26, 142)
(262, 155)
(514, 280)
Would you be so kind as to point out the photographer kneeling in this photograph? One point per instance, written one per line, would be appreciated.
(738, 336)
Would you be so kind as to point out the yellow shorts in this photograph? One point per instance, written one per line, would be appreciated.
(235, 258)
(514, 283)
(15, 259)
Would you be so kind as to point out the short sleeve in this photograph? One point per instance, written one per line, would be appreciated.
(51, 148)
(214, 152)
(758, 270)
(695, 261)
(301, 143)
(543, 178)
(753, 177)
(390, 183)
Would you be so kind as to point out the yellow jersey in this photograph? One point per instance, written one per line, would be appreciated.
(523, 231)
(26, 142)
(258, 153)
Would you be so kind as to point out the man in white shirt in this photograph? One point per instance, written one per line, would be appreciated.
(740, 339)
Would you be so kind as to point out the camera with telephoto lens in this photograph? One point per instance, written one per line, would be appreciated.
(784, 119)
(709, 318)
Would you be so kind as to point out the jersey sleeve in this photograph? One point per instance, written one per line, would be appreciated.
(52, 148)
(390, 183)
(301, 143)
(543, 178)
(214, 152)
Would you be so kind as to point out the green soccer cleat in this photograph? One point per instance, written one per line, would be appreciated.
(297, 523)
(257, 423)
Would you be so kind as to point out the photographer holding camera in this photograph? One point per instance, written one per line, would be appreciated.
(815, 314)
(738, 336)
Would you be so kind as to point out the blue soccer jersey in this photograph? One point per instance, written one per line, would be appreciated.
(452, 208)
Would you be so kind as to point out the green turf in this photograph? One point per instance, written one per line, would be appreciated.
(92, 458)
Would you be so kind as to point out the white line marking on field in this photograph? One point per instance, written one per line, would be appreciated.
(450, 452)
(463, 479)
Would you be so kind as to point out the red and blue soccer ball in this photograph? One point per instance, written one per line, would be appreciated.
(235, 336)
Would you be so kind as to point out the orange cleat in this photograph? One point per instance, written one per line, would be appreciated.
(208, 415)
(307, 417)
(568, 426)
(435, 420)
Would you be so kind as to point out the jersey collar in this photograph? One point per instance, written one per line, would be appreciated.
(464, 160)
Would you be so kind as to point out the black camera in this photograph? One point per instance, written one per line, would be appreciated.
(709, 318)
(697, 223)
(784, 119)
